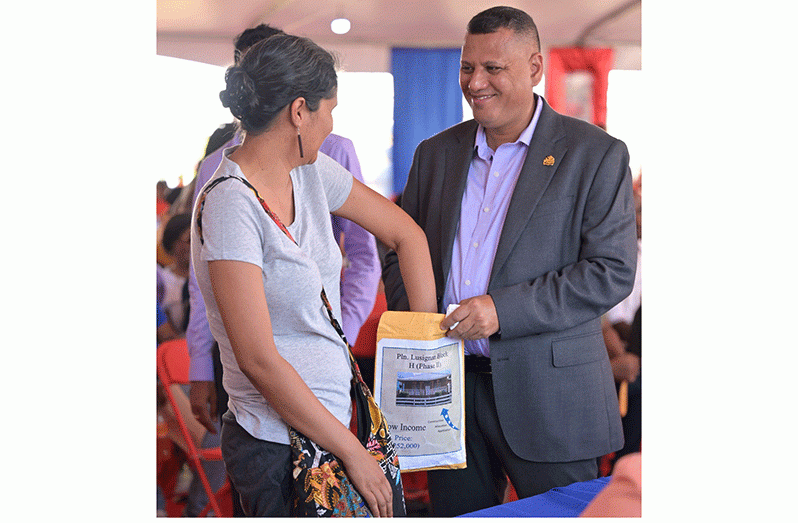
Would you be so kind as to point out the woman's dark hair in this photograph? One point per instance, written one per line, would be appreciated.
(176, 225)
(273, 73)
(495, 18)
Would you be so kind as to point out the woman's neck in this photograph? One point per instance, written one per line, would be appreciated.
(267, 160)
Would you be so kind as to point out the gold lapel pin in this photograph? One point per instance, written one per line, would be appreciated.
(549, 160)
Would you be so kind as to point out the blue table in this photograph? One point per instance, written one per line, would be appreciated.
(560, 502)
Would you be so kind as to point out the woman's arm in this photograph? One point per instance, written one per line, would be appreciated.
(238, 290)
(394, 228)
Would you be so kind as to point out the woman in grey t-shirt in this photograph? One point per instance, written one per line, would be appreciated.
(284, 363)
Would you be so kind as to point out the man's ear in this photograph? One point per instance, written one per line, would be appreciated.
(536, 67)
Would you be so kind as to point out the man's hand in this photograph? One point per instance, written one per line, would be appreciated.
(203, 403)
(476, 316)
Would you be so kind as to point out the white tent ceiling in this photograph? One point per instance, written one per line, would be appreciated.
(203, 30)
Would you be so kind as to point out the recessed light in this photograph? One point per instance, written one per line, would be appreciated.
(340, 26)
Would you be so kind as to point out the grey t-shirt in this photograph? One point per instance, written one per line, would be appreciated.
(235, 227)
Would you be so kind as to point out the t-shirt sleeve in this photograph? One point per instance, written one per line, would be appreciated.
(232, 225)
(336, 180)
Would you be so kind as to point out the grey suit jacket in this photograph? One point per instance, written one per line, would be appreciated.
(566, 255)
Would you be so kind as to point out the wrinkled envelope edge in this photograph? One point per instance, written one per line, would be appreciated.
(410, 325)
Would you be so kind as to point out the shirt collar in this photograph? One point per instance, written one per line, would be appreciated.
(481, 147)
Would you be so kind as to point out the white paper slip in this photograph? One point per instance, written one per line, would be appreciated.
(449, 310)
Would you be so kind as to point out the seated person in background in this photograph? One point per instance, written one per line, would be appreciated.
(174, 301)
(174, 277)
(201, 437)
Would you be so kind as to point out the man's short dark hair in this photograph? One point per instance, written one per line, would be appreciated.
(495, 18)
(251, 37)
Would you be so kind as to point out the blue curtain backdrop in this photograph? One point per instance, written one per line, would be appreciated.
(427, 100)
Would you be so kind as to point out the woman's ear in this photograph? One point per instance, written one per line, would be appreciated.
(297, 111)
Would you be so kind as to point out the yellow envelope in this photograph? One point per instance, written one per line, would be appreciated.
(419, 385)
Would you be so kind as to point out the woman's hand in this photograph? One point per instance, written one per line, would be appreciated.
(368, 478)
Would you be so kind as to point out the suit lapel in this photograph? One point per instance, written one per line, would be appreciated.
(458, 162)
(532, 181)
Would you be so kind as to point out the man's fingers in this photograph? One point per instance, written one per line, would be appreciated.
(473, 319)
(470, 328)
(452, 319)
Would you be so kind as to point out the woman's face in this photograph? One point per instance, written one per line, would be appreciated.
(319, 127)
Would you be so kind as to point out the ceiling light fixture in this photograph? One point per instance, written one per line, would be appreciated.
(340, 25)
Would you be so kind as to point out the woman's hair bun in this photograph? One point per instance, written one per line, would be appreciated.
(240, 96)
(273, 73)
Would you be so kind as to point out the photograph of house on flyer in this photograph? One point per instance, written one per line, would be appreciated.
(424, 389)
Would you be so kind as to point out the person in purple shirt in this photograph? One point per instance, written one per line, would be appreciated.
(360, 278)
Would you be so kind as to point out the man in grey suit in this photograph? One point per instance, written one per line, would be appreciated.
(530, 220)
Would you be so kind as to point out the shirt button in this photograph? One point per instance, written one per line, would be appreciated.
(486, 209)
(468, 282)
(476, 244)
(496, 174)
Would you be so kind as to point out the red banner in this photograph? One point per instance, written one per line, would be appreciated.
(576, 82)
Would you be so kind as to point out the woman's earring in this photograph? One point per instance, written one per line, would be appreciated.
(299, 139)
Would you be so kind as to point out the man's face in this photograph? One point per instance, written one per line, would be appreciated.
(497, 73)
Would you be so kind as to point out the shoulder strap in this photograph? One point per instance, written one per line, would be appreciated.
(207, 189)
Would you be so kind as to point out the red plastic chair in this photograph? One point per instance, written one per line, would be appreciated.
(366, 344)
(173, 363)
